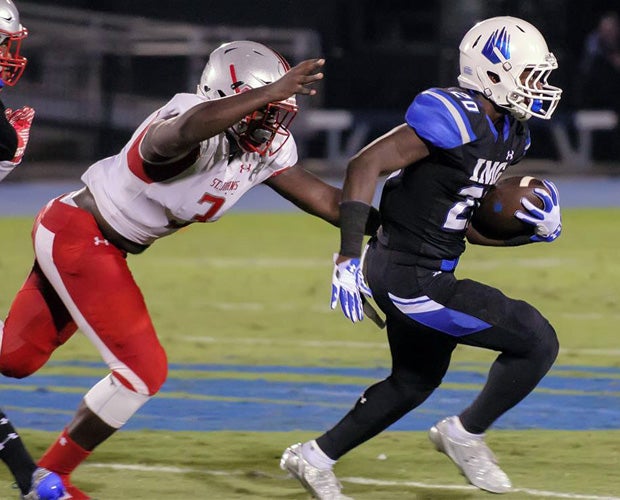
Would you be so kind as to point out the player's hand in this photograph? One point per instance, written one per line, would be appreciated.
(297, 80)
(346, 278)
(21, 121)
(548, 220)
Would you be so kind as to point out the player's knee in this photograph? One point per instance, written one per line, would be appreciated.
(548, 346)
(113, 402)
(149, 376)
(20, 364)
(413, 388)
(119, 395)
(157, 373)
(544, 345)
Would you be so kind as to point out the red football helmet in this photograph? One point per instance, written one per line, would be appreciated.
(12, 33)
(243, 65)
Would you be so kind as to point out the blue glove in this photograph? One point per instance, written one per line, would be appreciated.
(345, 288)
(548, 220)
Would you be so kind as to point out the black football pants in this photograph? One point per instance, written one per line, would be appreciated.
(428, 313)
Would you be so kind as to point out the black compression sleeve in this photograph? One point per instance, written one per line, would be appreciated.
(373, 222)
(353, 218)
(8, 139)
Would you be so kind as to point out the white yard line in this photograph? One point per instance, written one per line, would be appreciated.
(354, 480)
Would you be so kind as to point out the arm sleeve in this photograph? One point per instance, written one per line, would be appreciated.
(8, 145)
(8, 138)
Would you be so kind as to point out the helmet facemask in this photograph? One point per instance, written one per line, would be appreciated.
(533, 96)
(12, 64)
(528, 95)
(256, 132)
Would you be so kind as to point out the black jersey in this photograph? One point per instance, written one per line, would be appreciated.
(426, 207)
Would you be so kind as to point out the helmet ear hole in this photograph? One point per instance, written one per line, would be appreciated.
(494, 77)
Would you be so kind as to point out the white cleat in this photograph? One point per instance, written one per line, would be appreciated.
(471, 455)
(321, 483)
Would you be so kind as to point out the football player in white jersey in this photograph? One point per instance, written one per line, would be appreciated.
(34, 483)
(190, 161)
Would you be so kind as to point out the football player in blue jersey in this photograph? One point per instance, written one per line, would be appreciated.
(455, 143)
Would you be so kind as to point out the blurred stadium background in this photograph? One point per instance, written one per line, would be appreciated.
(98, 68)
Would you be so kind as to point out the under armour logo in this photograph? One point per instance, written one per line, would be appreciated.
(98, 241)
(63, 441)
(510, 154)
(363, 399)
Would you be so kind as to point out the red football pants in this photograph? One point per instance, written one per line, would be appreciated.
(81, 280)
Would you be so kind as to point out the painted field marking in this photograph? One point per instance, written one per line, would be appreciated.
(280, 397)
(352, 480)
(358, 345)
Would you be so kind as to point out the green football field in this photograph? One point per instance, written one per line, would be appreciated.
(253, 290)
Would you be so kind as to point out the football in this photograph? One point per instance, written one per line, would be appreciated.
(494, 217)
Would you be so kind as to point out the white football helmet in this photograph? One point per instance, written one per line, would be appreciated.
(239, 66)
(507, 60)
(12, 33)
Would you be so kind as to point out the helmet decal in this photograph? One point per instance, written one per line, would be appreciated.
(500, 41)
(235, 82)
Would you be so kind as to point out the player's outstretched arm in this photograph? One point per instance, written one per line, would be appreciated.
(175, 136)
(308, 192)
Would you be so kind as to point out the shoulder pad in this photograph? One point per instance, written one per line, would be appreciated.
(442, 117)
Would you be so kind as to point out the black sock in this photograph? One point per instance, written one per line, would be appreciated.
(14, 454)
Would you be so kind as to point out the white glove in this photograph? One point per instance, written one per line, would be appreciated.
(548, 220)
(345, 288)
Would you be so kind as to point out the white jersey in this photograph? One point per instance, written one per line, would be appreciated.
(143, 202)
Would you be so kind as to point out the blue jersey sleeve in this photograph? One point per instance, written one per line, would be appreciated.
(439, 119)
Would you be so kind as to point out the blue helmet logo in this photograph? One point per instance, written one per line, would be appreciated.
(499, 40)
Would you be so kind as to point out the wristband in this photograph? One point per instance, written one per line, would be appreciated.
(353, 218)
